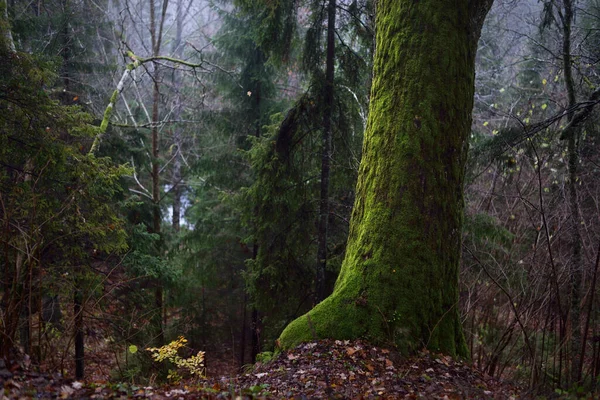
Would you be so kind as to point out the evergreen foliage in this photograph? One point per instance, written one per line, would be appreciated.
(56, 199)
(287, 167)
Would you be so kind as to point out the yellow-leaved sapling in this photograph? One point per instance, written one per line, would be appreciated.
(192, 366)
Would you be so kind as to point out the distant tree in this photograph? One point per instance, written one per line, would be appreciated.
(299, 165)
(532, 183)
(146, 113)
(248, 94)
(563, 15)
(399, 279)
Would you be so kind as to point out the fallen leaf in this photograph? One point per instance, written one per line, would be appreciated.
(77, 385)
(12, 383)
(66, 391)
(176, 392)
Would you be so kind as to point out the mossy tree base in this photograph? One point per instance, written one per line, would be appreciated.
(399, 280)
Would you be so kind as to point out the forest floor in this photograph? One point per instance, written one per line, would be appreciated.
(324, 369)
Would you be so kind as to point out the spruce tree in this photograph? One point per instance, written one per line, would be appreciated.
(58, 200)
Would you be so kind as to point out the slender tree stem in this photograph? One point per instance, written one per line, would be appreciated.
(326, 155)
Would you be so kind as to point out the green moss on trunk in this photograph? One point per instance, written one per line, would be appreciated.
(6, 40)
(399, 280)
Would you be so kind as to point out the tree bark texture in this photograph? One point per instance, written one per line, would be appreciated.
(326, 155)
(156, 214)
(575, 266)
(399, 280)
(156, 217)
(177, 134)
(79, 334)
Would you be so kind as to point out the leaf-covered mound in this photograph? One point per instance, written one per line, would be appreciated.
(353, 369)
(324, 369)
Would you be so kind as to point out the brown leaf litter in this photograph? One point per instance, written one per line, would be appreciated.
(325, 369)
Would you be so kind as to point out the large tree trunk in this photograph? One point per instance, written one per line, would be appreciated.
(399, 280)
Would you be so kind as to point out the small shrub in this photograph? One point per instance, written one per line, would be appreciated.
(192, 366)
(264, 357)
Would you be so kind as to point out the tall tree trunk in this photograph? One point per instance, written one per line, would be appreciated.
(156, 217)
(399, 279)
(156, 35)
(79, 338)
(257, 107)
(16, 299)
(320, 290)
(255, 326)
(256, 321)
(7, 46)
(177, 192)
(65, 53)
(575, 264)
(177, 134)
(242, 354)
